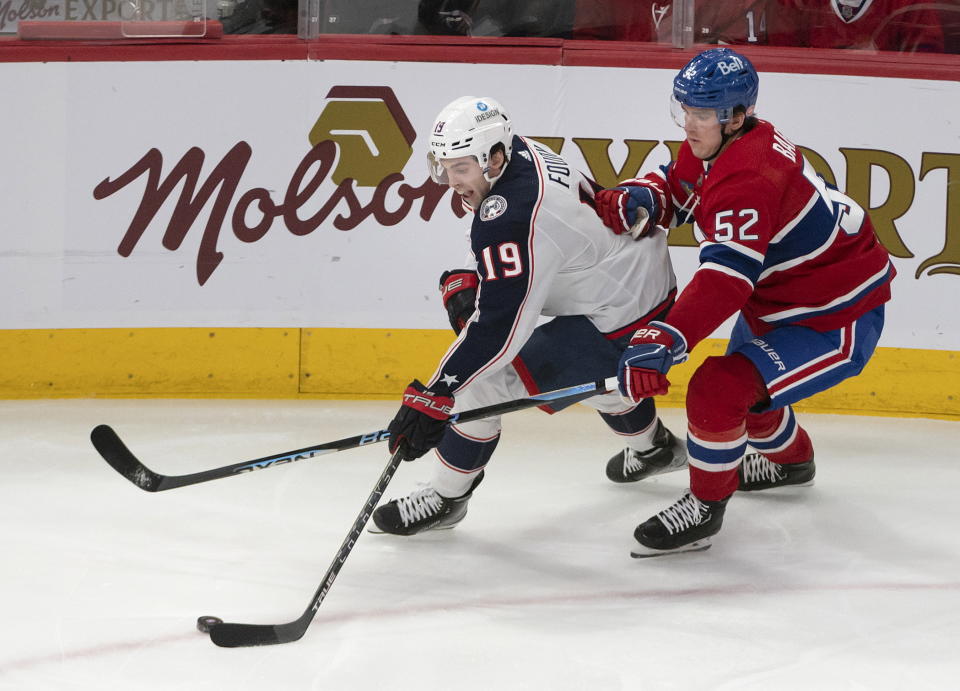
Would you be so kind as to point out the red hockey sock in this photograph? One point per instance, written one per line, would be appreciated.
(765, 425)
(721, 392)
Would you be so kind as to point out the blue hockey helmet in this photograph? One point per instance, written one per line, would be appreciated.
(718, 78)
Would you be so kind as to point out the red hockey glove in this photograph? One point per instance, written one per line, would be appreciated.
(653, 350)
(421, 421)
(628, 209)
(458, 289)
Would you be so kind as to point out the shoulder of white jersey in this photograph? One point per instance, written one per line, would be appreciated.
(553, 168)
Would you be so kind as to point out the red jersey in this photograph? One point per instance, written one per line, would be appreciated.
(776, 242)
(730, 21)
(897, 25)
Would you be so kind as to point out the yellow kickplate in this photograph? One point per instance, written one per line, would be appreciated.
(371, 363)
(149, 362)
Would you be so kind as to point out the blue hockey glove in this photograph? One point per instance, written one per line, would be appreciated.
(628, 209)
(653, 350)
(421, 421)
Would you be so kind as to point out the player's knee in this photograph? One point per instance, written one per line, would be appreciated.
(464, 452)
(614, 404)
(632, 419)
(722, 391)
(477, 430)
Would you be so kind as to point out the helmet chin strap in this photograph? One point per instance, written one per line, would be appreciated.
(486, 170)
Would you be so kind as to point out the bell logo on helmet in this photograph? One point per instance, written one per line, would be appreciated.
(735, 65)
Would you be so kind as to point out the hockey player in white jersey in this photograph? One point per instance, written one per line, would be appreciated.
(537, 248)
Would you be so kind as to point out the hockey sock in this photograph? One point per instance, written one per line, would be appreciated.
(777, 436)
(637, 425)
(714, 459)
(721, 393)
(461, 458)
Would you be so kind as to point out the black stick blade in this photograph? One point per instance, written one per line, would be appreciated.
(246, 635)
(115, 452)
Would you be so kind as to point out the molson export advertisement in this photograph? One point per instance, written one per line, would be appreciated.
(296, 194)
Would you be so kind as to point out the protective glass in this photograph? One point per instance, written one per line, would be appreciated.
(437, 172)
(696, 116)
(464, 169)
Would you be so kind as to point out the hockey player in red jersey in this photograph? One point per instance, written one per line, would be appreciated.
(727, 22)
(798, 261)
(907, 26)
(537, 249)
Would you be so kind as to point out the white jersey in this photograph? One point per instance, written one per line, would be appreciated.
(540, 249)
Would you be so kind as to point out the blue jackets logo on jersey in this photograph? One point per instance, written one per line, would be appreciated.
(492, 207)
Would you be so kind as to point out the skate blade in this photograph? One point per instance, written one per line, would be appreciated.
(375, 530)
(779, 488)
(642, 552)
(672, 468)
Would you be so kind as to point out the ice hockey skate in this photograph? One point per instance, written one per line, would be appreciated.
(422, 509)
(668, 454)
(686, 526)
(757, 472)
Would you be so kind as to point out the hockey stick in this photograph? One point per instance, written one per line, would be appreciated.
(642, 216)
(228, 635)
(115, 452)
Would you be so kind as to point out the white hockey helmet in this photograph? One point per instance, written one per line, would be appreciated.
(469, 126)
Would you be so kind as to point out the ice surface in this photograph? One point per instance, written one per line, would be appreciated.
(853, 583)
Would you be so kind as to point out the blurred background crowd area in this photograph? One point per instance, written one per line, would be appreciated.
(886, 25)
(892, 25)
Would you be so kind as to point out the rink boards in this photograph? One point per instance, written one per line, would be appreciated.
(369, 364)
(183, 229)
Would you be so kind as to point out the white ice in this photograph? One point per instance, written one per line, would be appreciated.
(853, 583)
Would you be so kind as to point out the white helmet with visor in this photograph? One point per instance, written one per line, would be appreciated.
(469, 126)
